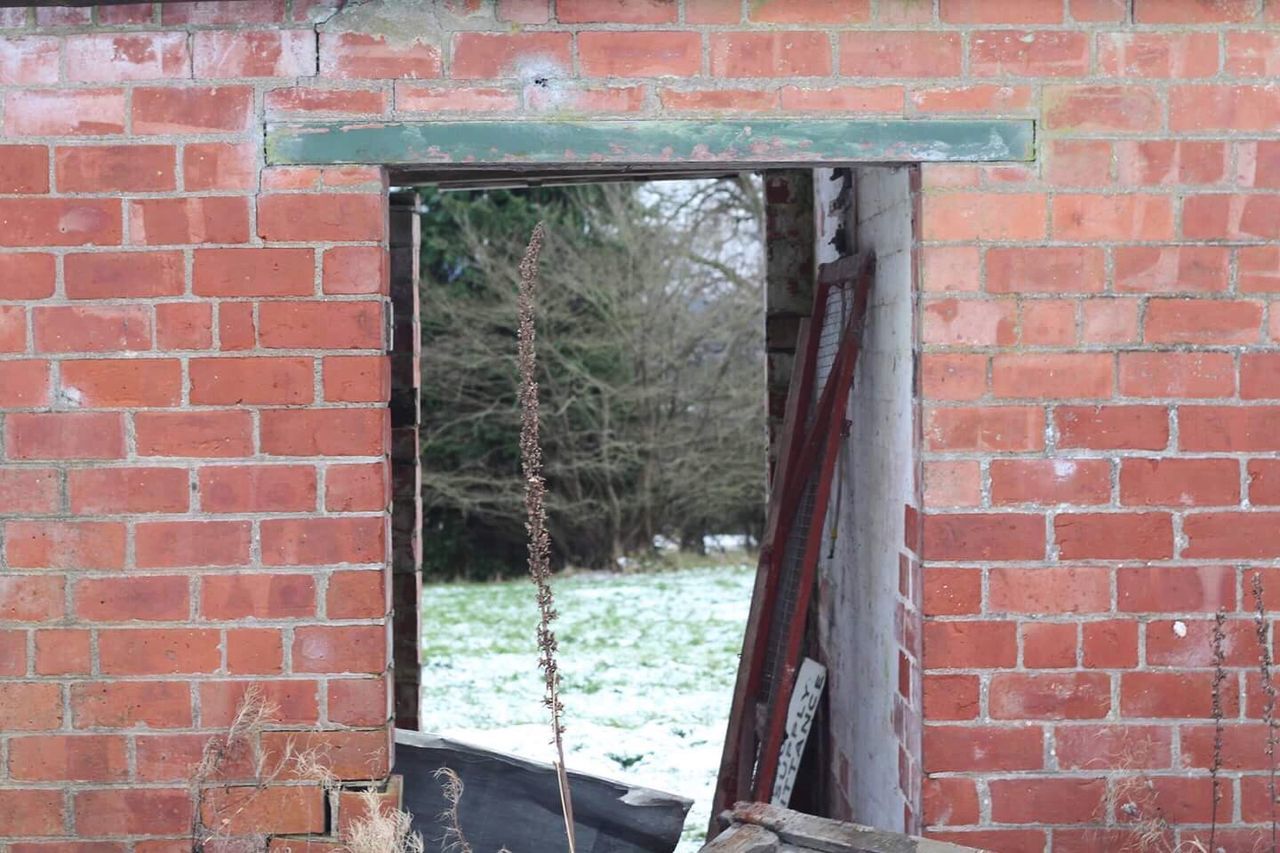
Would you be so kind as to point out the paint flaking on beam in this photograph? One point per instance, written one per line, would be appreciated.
(749, 143)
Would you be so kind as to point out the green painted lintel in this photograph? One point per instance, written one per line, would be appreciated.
(775, 142)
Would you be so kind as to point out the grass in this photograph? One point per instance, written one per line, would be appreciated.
(647, 659)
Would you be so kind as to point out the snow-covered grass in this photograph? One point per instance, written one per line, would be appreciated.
(647, 661)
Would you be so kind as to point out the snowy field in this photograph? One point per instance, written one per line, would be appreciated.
(648, 663)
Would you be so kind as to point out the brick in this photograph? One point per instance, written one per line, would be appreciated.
(24, 384)
(495, 55)
(30, 599)
(254, 53)
(348, 755)
(216, 109)
(1148, 55)
(92, 329)
(29, 707)
(323, 541)
(357, 379)
(115, 168)
(184, 326)
(211, 434)
(108, 491)
(1078, 162)
(60, 222)
(1114, 536)
(467, 99)
(1045, 270)
(1179, 482)
(1177, 374)
(132, 811)
(1006, 428)
(1171, 646)
(1049, 590)
(977, 748)
(94, 112)
(1253, 54)
(23, 168)
(297, 700)
(354, 269)
(1112, 427)
(107, 275)
(1171, 269)
(342, 217)
(254, 272)
(255, 651)
(950, 801)
(978, 536)
(121, 57)
(144, 599)
(354, 56)
(950, 697)
(193, 219)
(640, 54)
(1259, 268)
(1048, 322)
(524, 11)
(29, 60)
(615, 12)
(356, 488)
(1109, 644)
(953, 376)
(1231, 217)
(13, 328)
(1194, 12)
(253, 381)
(1199, 321)
(968, 322)
(237, 327)
(320, 325)
(860, 99)
(358, 701)
(1028, 53)
(106, 383)
(158, 651)
(718, 100)
(215, 12)
(1084, 108)
(126, 13)
(1264, 482)
(985, 98)
(312, 100)
(952, 592)
(1050, 481)
(258, 488)
(1229, 429)
(950, 269)
(1237, 749)
(1173, 695)
(1202, 108)
(1109, 321)
(272, 809)
(1165, 162)
(1046, 801)
(128, 704)
(1129, 747)
(1111, 217)
(899, 53)
(1232, 534)
(1001, 11)
(179, 544)
(1258, 164)
(29, 491)
(1048, 645)
(218, 166)
(1175, 589)
(79, 758)
(357, 595)
(984, 216)
(32, 812)
(64, 435)
(354, 648)
(260, 596)
(26, 275)
(1056, 375)
(62, 651)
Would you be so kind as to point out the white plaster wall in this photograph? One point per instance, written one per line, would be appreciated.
(859, 575)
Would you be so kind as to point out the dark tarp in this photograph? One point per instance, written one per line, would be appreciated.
(515, 803)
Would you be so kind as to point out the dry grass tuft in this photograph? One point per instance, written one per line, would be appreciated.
(382, 829)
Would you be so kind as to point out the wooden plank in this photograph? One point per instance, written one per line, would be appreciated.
(770, 142)
(743, 838)
(831, 836)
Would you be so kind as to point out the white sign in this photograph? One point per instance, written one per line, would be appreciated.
(804, 704)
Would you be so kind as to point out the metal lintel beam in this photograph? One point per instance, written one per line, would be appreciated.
(767, 143)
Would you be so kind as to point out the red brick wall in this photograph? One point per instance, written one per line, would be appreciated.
(193, 480)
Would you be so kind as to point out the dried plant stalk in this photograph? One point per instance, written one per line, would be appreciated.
(535, 502)
(1268, 693)
(1219, 676)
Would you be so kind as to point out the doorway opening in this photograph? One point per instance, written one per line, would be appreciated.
(671, 586)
